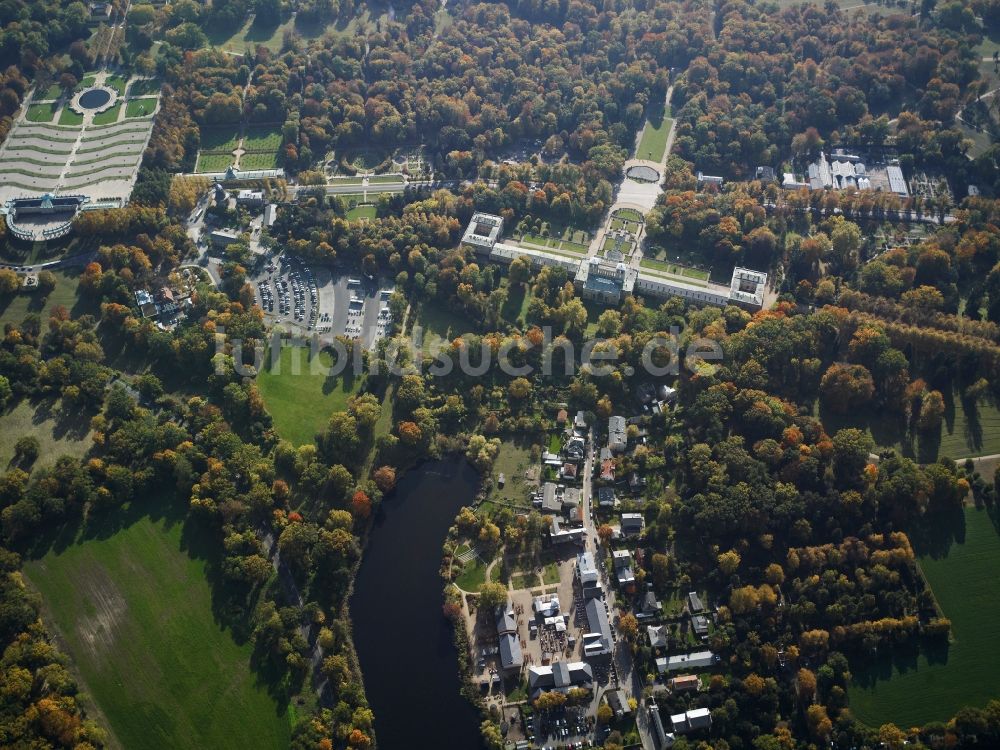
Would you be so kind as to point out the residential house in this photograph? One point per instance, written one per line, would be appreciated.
(617, 437)
(666, 394)
(559, 676)
(606, 497)
(551, 459)
(270, 214)
(659, 636)
(561, 417)
(575, 449)
(689, 721)
(145, 302)
(586, 572)
(694, 603)
(623, 569)
(632, 524)
(636, 483)
(708, 179)
(549, 499)
(560, 534)
(766, 174)
(699, 624)
(693, 660)
(607, 470)
(569, 471)
(580, 422)
(571, 498)
(650, 606)
(684, 683)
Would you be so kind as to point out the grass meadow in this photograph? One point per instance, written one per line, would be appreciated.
(59, 433)
(364, 211)
(14, 309)
(301, 404)
(42, 112)
(213, 162)
(134, 609)
(140, 107)
(967, 430)
(653, 142)
(440, 326)
(958, 554)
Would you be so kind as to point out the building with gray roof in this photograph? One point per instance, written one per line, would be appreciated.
(598, 642)
(559, 676)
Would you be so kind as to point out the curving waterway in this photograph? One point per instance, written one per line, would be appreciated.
(403, 641)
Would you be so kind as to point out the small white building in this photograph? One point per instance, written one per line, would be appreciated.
(250, 198)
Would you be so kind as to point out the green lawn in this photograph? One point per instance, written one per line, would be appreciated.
(629, 214)
(366, 211)
(52, 92)
(550, 574)
(301, 402)
(260, 161)
(117, 83)
(473, 575)
(14, 309)
(366, 159)
(653, 142)
(614, 243)
(512, 461)
(69, 117)
(41, 112)
(259, 138)
(959, 556)
(59, 433)
(248, 36)
(87, 81)
(967, 431)
(220, 139)
(213, 162)
(140, 107)
(145, 87)
(685, 273)
(109, 116)
(136, 613)
(440, 325)
(382, 179)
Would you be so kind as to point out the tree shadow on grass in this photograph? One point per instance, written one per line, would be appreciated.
(934, 535)
(261, 30)
(869, 669)
(512, 307)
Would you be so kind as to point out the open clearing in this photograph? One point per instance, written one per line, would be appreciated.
(15, 309)
(365, 211)
(654, 136)
(136, 614)
(967, 431)
(959, 555)
(439, 326)
(301, 404)
(59, 433)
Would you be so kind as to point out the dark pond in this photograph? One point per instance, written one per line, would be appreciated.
(403, 641)
(94, 98)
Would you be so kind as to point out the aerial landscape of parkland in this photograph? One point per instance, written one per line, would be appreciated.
(500, 374)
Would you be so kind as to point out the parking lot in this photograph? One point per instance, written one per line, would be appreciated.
(337, 304)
